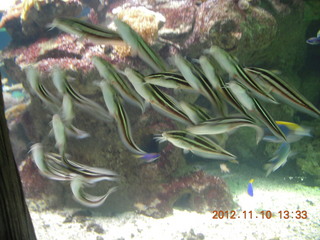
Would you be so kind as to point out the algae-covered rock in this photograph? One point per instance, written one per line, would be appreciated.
(308, 155)
(30, 19)
(310, 163)
(312, 10)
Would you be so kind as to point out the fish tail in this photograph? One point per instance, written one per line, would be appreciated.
(160, 139)
(269, 168)
(148, 157)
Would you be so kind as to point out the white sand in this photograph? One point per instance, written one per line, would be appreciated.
(273, 193)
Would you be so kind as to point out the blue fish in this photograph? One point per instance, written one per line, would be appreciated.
(292, 131)
(250, 187)
(314, 40)
(148, 157)
(18, 94)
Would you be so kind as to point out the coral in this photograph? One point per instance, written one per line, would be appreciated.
(179, 25)
(64, 51)
(29, 19)
(308, 157)
(15, 111)
(28, 4)
(310, 163)
(143, 21)
(12, 13)
(244, 4)
(200, 192)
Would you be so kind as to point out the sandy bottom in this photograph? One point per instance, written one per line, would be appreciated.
(272, 194)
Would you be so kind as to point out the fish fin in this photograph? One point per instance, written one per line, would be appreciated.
(145, 106)
(268, 167)
(50, 26)
(51, 133)
(159, 139)
(233, 161)
(291, 154)
(77, 133)
(259, 134)
(273, 139)
(307, 132)
(148, 157)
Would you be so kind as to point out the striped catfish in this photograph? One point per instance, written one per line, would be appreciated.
(198, 145)
(199, 82)
(195, 113)
(168, 80)
(49, 99)
(64, 87)
(110, 74)
(85, 30)
(225, 125)
(162, 102)
(255, 108)
(84, 198)
(283, 91)
(92, 174)
(118, 112)
(235, 71)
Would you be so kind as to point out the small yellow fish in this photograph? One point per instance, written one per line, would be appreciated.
(224, 168)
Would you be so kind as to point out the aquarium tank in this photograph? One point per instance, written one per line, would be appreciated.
(165, 119)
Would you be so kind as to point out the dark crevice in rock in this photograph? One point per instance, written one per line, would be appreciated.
(58, 54)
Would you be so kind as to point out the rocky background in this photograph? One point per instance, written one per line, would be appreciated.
(269, 34)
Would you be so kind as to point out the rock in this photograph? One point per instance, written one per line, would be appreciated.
(29, 20)
(196, 191)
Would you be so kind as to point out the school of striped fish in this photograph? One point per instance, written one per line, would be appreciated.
(235, 100)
